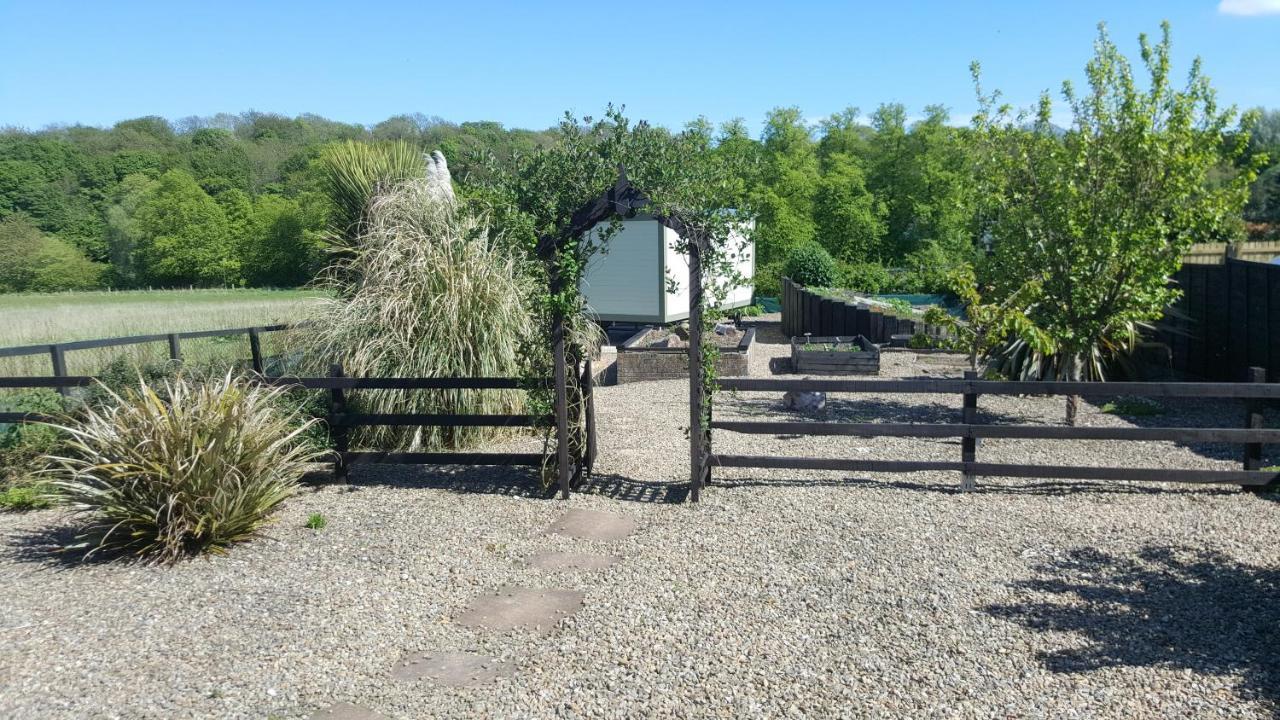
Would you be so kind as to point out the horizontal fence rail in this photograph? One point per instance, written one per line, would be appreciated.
(42, 349)
(1010, 387)
(341, 422)
(1251, 437)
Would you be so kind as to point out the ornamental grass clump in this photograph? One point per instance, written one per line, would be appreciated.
(170, 471)
(430, 293)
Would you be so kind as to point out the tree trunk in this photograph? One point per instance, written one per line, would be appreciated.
(1073, 401)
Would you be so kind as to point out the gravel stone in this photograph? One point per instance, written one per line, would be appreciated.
(457, 669)
(781, 594)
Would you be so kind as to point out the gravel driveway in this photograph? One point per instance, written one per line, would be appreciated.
(782, 594)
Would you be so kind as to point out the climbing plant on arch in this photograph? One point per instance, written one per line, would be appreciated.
(567, 200)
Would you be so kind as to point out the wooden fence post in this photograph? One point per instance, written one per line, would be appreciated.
(589, 399)
(697, 391)
(58, 359)
(255, 350)
(337, 424)
(562, 403)
(1253, 421)
(175, 348)
(968, 443)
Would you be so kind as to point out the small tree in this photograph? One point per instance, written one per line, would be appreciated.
(988, 324)
(1103, 211)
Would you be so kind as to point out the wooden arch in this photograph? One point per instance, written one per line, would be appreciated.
(625, 200)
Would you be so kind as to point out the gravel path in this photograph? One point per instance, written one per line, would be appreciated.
(782, 594)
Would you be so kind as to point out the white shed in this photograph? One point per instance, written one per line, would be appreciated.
(628, 283)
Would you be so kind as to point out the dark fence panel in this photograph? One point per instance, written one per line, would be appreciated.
(804, 311)
(1227, 321)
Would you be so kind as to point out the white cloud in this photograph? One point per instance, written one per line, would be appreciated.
(1249, 7)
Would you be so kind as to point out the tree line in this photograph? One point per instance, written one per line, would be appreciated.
(233, 200)
(227, 200)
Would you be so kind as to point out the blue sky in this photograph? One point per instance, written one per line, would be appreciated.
(524, 63)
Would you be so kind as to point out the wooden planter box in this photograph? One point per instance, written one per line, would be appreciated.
(637, 362)
(835, 362)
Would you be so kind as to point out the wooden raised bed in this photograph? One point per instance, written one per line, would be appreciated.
(639, 359)
(838, 356)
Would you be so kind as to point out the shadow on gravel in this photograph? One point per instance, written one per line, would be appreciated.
(1050, 488)
(1195, 412)
(521, 482)
(54, 547)
(863, 410)
(1179, 607)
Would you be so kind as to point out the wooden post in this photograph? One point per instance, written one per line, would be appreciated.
(968, 443)
(337, 425)
(58, 359)
(589, 399)
(255, 350)
(697, 391)
(562, 404)
(175, 348)
(1253, 421)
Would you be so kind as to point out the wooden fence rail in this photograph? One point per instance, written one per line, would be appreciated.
(341, 420)
(58, 351)
(1252, 436)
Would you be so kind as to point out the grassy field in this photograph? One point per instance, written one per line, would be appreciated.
(28, 319)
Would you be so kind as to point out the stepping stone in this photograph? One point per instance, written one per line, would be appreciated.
(457, 669)
(571, 561)
(594, 525)
(346, 711)
(524, 608)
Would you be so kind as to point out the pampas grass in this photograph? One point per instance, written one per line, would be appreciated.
(431, 292)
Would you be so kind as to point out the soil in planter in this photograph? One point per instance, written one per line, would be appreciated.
(830, 347)
(666, 338)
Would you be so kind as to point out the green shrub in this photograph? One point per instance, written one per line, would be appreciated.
(810, 264)
(900, 307)
(768, 280)
(865, 277)
(24, 495)
(190, 467)
(920, 341)
(23, 448)
(316, 521)
(745, 311)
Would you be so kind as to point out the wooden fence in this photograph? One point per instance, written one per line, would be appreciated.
(1251, 436)
(1217, 253)
(341, 419)
(807, 312)
(1227, 321)
(57, 352)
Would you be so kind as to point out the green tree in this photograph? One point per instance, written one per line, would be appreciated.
(35, 262)
(184, 237)
(850, 220)
(1104, 211)
(218, 162)
(283, 249)
(789, 183)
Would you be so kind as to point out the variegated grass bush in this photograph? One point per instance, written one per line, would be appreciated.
(430, 292)
(167, 471)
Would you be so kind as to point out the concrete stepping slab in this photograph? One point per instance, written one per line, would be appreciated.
(571, 561)
(594, 525)
(346, 711)
(524, 608)
(457, 669)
